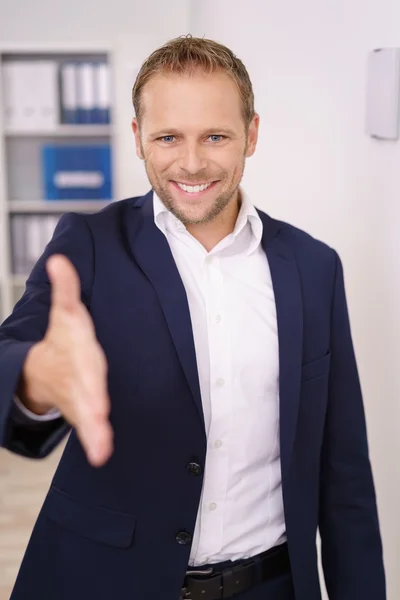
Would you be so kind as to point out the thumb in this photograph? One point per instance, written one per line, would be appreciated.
(65, 283)
(96, 435)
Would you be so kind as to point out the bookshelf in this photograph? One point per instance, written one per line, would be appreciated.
(24, 188)
(61, 206)
(65, 131)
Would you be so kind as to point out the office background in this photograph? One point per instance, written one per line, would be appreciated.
(314, 167)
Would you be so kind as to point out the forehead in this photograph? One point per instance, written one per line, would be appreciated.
(178, 100)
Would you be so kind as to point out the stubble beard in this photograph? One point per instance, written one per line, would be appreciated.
(218, 206)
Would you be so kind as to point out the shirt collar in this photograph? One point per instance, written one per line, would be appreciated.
(248, 214)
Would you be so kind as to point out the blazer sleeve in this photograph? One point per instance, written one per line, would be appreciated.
(27, 325)
(348, 521)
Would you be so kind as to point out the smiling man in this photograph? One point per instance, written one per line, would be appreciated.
(196, 169)
(201, 353)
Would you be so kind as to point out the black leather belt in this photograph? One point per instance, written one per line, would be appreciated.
(237, 579)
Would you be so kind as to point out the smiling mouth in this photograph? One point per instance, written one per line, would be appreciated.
(193, 190)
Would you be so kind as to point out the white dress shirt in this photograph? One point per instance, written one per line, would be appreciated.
(233, 315)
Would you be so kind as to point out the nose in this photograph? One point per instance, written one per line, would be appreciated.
(192, 159)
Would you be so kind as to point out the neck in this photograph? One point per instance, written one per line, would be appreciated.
(210, 234)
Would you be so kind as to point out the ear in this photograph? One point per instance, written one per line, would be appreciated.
(135, 129)
(252, 136)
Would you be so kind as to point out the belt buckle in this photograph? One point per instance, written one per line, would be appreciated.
(208, 571)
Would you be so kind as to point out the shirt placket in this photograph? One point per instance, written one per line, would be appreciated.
(214, 493)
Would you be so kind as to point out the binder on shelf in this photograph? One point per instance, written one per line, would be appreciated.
(11, 81)
(49, 223)
(77, 172)
(18, 245)
(69, 93)
(30, 95)
(30, 235)
(86, 93)
(103, 93)
(46, 78)
(34, 246)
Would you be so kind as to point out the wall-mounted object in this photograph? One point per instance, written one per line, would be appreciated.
(383, 94)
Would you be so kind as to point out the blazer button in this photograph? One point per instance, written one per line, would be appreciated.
(194, 468)
(183, 537)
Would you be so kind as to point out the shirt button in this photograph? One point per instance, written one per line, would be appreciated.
(220, 382)
(218, 319)
(218, 443)
(212, 506)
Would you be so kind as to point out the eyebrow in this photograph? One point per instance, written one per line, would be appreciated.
(172, 131)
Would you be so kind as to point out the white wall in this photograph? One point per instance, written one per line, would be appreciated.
(316, 168)
(88, 20)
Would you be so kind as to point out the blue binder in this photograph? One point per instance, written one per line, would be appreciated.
(68, 92)
(103, 100)
(86, 93)
(77, 172)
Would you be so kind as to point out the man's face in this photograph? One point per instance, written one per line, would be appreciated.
(192, 132)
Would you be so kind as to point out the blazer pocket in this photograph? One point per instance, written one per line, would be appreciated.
(97, 523)
(316, 368)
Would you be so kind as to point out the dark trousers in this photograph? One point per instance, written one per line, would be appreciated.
(278, 588)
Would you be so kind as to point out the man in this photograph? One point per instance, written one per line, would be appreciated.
(201, 352)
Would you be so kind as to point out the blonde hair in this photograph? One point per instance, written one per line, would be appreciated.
(187, 55)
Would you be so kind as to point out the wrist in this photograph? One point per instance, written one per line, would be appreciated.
(30, 390)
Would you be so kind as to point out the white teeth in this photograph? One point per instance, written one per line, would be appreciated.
(193, 188)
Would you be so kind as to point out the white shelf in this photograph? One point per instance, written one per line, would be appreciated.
(64, 131)
(52, 48)
(56, 206)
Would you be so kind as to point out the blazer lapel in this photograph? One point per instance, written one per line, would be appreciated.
(289, 308)
(153, 255)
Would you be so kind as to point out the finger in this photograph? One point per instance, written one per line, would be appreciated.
(65, 283)
(97, 437)
(94, 427)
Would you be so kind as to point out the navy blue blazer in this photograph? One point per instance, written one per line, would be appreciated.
(124, 530)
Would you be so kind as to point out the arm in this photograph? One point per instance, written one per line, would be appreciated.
(26, 326)
(348, 520)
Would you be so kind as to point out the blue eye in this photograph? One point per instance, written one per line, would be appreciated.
(213, 135)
